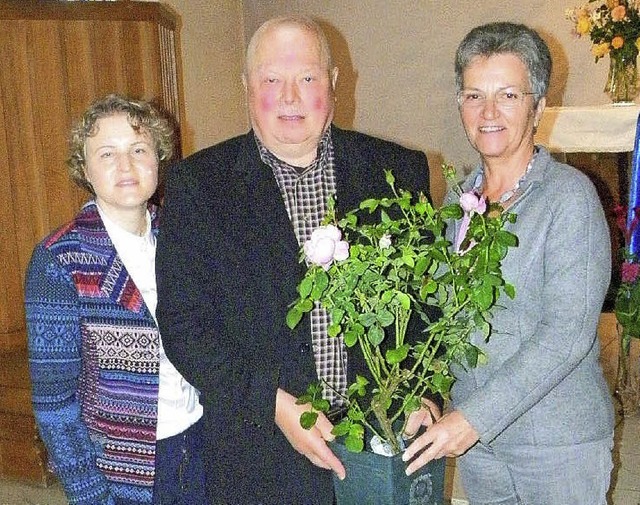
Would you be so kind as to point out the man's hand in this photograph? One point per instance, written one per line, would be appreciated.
(452, 436)
(310, 443)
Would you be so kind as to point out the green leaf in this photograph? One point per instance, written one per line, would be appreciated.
(510, 290)
(411, 404)
(350, 338)
(421, 208)
(471, 355)
(386, 296)
(305, 305)
(398, 355)
(404, 299)
(361, 380)
(506, 238)
(302, 399)
(337, 315)
(484, 328)
(421, 266)
(321, 405)
(389, 177)
(430, 286)
(385, 318)
(452, 211)
(308, 420)
(321, 281)
(342, 428)
(442, 383)
(359, 387)
(356, 414)
(334, 330)
(409, 260)
(376, 335)
(438, 255)
(357, 430)
(383, 401)
(293, 317)
(305, 287)
(497, 252)
(367, 319)
(370, 204)
(492, 280)
(349, 221)
(354, 443)
(484, 296)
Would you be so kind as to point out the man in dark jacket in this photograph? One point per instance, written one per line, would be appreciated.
(228, 266)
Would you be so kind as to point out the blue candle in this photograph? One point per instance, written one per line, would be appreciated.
(634, 193)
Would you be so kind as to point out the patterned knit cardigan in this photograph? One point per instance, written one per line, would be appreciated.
(94, 362)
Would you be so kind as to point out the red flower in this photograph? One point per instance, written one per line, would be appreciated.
(629, 272)
(621, 220)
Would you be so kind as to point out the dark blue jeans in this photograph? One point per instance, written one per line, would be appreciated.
(180, 478)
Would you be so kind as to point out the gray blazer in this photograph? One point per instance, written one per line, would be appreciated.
(543, 384)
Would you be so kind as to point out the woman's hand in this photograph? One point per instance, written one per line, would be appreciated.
(451, 435)
(426, 416)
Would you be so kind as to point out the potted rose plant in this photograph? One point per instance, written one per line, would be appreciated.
(375, 277)
(627, 311)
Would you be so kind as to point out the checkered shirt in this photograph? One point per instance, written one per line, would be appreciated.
(305, 193)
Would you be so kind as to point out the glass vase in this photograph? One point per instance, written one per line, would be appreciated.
(622, 82)
(627, 388)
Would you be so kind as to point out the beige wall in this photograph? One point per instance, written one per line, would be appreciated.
(395, 59)
(212, 40)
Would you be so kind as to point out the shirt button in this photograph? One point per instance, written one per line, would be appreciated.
(304, 348)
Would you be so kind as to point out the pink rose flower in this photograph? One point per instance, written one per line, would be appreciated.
(326, 246)
(470, 203)
(629, 272)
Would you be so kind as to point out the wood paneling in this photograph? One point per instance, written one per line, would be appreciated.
(55, 58)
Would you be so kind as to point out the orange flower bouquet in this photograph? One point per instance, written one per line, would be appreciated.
(614, 30)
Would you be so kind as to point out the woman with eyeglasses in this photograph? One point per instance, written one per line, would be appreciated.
(534, 425)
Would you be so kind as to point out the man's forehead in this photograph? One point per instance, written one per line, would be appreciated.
(276, 43)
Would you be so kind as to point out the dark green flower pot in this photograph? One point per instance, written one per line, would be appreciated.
(379, 480)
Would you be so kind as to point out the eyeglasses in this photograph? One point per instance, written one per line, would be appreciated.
(505, 98)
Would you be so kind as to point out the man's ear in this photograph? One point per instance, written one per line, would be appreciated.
(334, 78)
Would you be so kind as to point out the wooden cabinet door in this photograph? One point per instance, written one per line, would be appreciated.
(55, 58)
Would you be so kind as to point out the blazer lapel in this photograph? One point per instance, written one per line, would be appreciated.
(266, 208)
(355, 181)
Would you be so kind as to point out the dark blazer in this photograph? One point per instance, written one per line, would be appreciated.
(227, 267)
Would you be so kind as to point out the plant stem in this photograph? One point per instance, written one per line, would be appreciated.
(378, 405)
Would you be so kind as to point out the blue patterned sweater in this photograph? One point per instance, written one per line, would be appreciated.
(94, 363)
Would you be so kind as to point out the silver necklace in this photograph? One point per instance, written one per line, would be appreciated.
(510, 193)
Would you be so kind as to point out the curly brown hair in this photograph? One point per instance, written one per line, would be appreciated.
(142, 116)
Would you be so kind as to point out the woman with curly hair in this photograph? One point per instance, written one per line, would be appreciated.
(120, 424)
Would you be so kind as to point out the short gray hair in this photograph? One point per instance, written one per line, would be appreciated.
(300, 21)
(507, 38)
